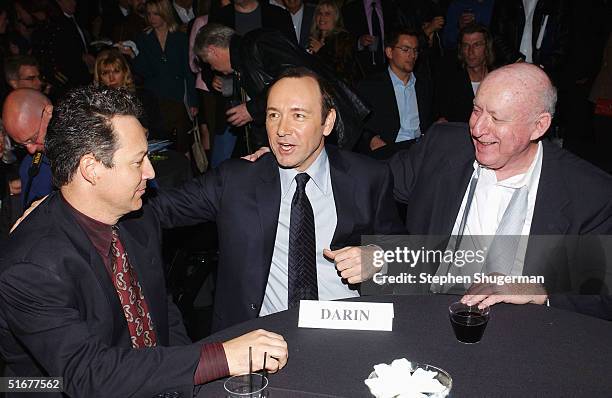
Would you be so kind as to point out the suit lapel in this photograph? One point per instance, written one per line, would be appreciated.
(343, 188)
(89, 252)
(456, 178)
(268, 193)
(388, 86)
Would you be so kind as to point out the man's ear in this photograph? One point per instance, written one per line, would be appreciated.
(329, 123)
(542, 124)
(389, 52)
(13, 83)
(87, 168)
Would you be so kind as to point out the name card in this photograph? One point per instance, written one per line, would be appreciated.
(346, 315)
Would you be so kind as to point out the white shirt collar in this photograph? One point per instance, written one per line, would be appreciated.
(528, 178)
(318, 172)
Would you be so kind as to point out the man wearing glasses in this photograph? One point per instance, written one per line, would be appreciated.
(22, 71)
(403, 106)
(26, 115)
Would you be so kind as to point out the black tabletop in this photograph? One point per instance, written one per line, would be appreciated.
(527, 350)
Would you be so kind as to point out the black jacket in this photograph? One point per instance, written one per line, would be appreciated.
(508, 22)
(261, 55)
(454, 97)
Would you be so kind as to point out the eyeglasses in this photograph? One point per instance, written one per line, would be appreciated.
(408, 50)
(34, 137)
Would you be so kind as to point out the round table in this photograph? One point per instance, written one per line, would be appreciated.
(527, 350)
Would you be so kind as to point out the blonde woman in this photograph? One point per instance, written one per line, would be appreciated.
(332, 43)
(112, 70)
(163, 64)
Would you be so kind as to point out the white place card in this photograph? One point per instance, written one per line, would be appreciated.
(346, 315)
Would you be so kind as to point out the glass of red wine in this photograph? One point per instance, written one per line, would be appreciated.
(468, 321)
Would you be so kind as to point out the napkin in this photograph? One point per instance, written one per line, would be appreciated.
(398, 380)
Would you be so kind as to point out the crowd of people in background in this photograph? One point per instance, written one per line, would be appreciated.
(412, 63)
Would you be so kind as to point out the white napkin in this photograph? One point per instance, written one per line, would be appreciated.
(397, 380)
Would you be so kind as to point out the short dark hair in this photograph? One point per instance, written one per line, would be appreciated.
(327, 99)
(81, 124)
(392, 39)
(13, 64)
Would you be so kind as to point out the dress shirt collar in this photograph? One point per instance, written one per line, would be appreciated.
(528, 178)
(398, 82)
(318, 172)
(100, 234)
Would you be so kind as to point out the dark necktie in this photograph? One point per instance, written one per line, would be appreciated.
(132, 299)
(377, 33)
(302, 247)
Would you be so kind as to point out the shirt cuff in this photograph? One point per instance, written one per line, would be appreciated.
(212, 365)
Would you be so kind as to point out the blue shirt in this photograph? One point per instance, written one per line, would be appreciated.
(41, 184)
(405, 96)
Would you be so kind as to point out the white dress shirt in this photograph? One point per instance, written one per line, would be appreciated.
(297, 21)
(321, 196)
(186, 15)
(491, 198)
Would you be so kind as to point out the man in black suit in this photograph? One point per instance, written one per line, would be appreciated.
(255, 205)
(402, 100)
(246, 15)
(460, 183)
(301, 16)
(370, 21)
(62, 48)
(82, 289)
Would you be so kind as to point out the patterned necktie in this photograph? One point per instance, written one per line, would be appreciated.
(132, 299)
(302, 247)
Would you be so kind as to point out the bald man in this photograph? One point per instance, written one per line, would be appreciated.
(500, 178)
(26, 115)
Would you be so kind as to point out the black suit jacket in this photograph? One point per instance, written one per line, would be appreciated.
(244, 200)
(272, 17)
(508, 22)
(60, 315)
(306, 25)
(454, 97)
(356, 22)
(385, 118)
(573, 198)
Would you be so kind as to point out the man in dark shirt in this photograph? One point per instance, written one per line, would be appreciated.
(82, 290)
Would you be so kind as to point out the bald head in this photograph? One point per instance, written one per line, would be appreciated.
(529, 84)
(26, 115)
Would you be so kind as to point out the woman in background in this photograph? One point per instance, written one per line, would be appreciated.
(112, 70)
(163, 64)
(332, 43)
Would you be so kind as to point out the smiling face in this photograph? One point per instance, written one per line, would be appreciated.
(294, 123)
(505, 123)
(120, 187)
(325, 18)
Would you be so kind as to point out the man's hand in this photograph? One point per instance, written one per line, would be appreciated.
(487, 294)
(257, 154)
(261, 341)
(193, 110)
(217, 83)
(366, 40)
(377, 142)
(238, 115)
(28, 211)
(355, 264)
